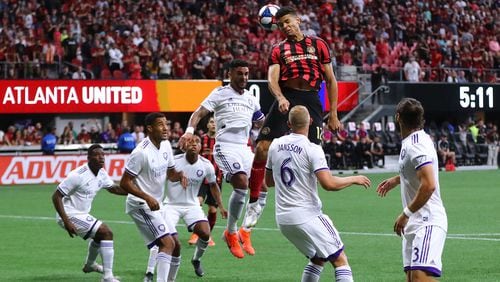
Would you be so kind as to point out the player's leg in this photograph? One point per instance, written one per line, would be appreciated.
(343, 272)
(104, 235)
(231, 160)
(211, 213)
(175, 262)
(202, 229)
(202, 195)
(150, 270)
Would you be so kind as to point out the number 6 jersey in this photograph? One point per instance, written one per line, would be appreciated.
(294, 161)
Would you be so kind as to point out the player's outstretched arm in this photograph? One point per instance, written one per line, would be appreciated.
(128, 184)
(334, 183)
(273, 75)
(215, 190)
(387, 185)
(59, 206)
(195, 118)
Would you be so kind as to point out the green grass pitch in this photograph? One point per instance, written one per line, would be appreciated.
(34, 248)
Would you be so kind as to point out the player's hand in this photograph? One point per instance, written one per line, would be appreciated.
(283, 105)
(184, 181)
(399, 225)
(334, 123)
(152, 203)
(385, 186)
(362, 180)
(183, 140)
(70, 228)
(223, 212)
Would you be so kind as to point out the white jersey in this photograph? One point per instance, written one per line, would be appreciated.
(294, 161)
(149, 166)
(196, 173)
(234, 113)
(80, 187)
(418, 150)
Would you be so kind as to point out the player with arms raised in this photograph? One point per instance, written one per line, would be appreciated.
(423, 223)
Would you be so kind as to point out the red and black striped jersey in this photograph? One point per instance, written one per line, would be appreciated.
(207, 145)
(302, 59)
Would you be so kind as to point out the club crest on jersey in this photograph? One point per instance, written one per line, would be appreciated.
(199, 172)
(161, 227)
(236, 165)
(89, 218)
(310, 49)
(165, 156)
(250, 102)
(403, 153)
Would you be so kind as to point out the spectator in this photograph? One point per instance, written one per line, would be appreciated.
(165, 67)
(67, 136)
(363, 153)
(84, 136)
(115, 57)
(65, 74)
(377, 151)
(79, 74)
(49, 142)
(138, 134)
(412, 70)
(135, 69)
(461, 77)
(444, 152)
(126, 142)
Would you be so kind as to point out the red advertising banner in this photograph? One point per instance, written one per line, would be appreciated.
(51, 169)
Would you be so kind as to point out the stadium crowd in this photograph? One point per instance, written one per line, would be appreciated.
(441, 40)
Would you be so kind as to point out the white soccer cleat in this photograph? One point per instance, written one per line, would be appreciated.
(252, 215)
(95, 267)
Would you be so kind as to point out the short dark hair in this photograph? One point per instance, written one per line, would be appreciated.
(411, 113)
(283, 11)
(237, 63)
(93, 147)
(151, 117)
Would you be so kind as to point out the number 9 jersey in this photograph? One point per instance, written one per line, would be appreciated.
(294, 161)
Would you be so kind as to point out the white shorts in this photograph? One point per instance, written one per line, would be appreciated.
(86, 225)
(315, 238)
(189, 214)
(151, 225)
(422, 250)
(233, 159)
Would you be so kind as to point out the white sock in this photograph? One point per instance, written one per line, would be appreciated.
(343, 274)
(93, 251)
(175, 263)
(236, 204)
(163, 262)
(107, 254)
(153, 253)
(311, 273)
(262, 199)
(201, 246)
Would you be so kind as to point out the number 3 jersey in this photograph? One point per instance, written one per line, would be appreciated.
(294, 161)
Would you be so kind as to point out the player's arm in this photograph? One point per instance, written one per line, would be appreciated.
(333, 95)
(334, 183)
(128, 184)
(427, 187)
(175, 176)
(59, 206)
(215, 190)
(195, 118)
(268, 178)
(117, 190)
(273, 76)
(387, 185)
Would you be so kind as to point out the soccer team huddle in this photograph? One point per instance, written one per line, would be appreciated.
(162, 188)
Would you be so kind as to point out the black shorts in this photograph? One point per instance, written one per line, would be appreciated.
(276, 125)
(206, 194)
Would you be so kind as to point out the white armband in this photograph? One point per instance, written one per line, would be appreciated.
(407, 212)
(190, 130)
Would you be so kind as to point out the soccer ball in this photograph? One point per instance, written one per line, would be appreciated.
(266, 16)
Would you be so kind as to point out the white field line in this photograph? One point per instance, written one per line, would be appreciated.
(470, 236)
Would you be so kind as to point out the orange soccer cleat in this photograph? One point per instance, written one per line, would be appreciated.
(244, 237)
(211, 242)
(231, 240)
(193, 239)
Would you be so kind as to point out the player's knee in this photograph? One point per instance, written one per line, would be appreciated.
(239, 180)
(317, 261)
(104, 233)
(419, 276)
(261, 150)
(202, 229)
(166, 244)
(341, 260)
(212, 209)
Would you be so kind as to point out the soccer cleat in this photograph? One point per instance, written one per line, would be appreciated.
(252, 214)
(95, 267)
(211, 242)
(244, 237)
(110, 279)
(193, 239)
(148, 277)
(233, 244)
(197, 267)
